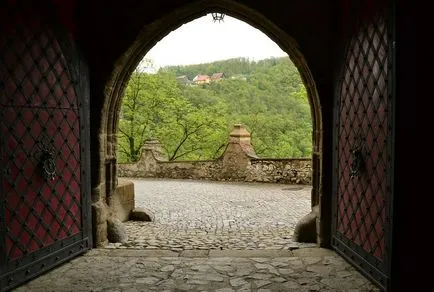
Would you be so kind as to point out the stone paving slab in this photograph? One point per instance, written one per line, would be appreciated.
(250, 253)
(133, 253)
(194, 253)
(118, 270)
(306, 252)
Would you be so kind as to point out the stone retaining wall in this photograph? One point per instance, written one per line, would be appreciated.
(289, 171)
(238, 163)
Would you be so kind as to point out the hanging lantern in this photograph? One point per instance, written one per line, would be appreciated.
(216, 16)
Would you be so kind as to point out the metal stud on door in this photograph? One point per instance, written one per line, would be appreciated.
(363, 146)
(44, 190)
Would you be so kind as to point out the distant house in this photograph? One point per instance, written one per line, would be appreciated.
(183, 79)
(217, 76)
(239, 77)
(201, 79)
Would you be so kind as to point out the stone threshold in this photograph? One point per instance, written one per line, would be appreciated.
(212, 253)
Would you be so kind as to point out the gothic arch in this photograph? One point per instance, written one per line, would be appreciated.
(145, 40)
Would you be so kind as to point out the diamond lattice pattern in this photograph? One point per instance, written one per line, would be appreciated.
(363, 121)
(38, 106)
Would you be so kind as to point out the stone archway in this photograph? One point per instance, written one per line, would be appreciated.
(126, 64)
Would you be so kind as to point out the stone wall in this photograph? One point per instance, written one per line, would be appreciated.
(289, 171)
(238, 163)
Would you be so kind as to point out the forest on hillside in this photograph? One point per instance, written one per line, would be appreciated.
(193, 122)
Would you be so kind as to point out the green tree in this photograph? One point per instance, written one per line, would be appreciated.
(142, 112)
(192, 132)
(154, 106)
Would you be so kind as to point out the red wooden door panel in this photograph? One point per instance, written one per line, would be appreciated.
(44, 190)
(363, 146)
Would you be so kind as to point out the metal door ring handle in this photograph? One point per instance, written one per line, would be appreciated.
(357, 165)
(48, 164)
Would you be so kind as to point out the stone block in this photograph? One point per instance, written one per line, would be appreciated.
(141, 214)
(122, 201)
(305, 230)
(116, 231)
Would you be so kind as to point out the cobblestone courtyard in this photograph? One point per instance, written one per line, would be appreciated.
(216, 215)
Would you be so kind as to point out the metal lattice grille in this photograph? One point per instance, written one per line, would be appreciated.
(39, 110)
(35, 70)
(363, 130)
(39, 212)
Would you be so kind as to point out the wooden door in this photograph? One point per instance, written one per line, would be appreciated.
(44, 162)
(363, 152)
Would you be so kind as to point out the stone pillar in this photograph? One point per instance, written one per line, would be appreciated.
(237, 155)
(148, 164)
(241, 136)
(153, 145)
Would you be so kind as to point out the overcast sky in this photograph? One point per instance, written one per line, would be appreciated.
(203, 41)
